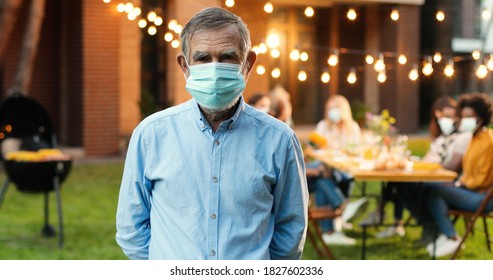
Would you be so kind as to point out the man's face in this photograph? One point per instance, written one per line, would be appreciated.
(217, 45)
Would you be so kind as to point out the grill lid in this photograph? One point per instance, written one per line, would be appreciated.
(24, 121)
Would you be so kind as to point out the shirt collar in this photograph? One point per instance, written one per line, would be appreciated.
(202, 122)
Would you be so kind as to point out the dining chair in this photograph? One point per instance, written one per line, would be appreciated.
(314, 232)
(471, 218)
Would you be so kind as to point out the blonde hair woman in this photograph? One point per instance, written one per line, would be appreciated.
(338, 125)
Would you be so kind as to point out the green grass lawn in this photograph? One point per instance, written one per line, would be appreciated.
(90, 197)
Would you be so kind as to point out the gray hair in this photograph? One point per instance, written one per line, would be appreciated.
(214, 18)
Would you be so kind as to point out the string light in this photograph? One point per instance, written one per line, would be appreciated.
(178, 28)
(131, 16)
(304, 56)
(268, 8)
(427, 67)
(351, 14)
(309, 12)
(229, 3)
(333, 58)
(275, 53)
(449, 69)
(262, 48)
(120, 7)
(276, 73)
(158, 21)
(260, 69)
(476, 54)
(302, 76)
(172, 24)
(106, 1)
(437, 57)
(168, 37)
(325, 78)
(381, 77)
(351, 77)
(414, 74)
(394, 15)
(402, 59)
(489, 64)
(379, 65)
(152, 30)
(256, 49)
(142, 23)
(440, 16)
(175, 44)
(151, 16)
(137, 11)
(129, 7)
(482, 71)
(273, 40)
(294, 55)
(369, 59)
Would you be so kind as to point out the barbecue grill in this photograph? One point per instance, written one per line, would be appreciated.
(25, 125)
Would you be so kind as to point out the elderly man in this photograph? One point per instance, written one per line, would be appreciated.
(213, 178)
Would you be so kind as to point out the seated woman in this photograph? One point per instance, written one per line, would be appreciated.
(447, 148)
(332, 190)
(477, 174)
(261, 101)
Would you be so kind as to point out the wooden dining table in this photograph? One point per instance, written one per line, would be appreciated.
(362, 171)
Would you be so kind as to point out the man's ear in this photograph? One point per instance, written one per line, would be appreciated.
(180, 58)
(250, 61)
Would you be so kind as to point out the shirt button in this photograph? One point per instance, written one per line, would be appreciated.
(214, 179)
(213, 253)
(231, 126)
(213, 216)
(217, 142)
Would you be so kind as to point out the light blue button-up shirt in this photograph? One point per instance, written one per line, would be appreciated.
(190, 193)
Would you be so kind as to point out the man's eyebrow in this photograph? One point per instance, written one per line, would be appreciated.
(232, 53)
(199, 55)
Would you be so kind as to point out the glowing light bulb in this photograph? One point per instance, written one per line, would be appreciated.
(106, 1)
(369, 59)
(275, 53)
(131, 16)
(172, 24)
(302, 76)
(260, 69)
(168, 37)
(489, 64)
(486, 14)
(294, 55)
(158, 21)
(276, 73)
(476, 54)
(427, 67)
(381, 77)
(351, 77)
(137, 11)
(402, 59)
(482, 71)
(440, 16)
(152, 30)
(325, 78)
(120, 7)
(309, 12)
(333, 60)
(449, 69)
(229, 3)
(175, 44)
(142, 23)
(256, 49)
(394, 15)
(437, 57)
(151, 16)
(273, 40)
(351, 14)
(268, 8)
(178, 28)
(379, 65)
(414, 74)
(304, 56)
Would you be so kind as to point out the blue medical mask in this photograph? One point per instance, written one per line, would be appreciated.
(468, 124)
(334, 115)
(215, 85)
(446, 125)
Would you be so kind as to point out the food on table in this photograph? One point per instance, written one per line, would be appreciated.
(36, 156)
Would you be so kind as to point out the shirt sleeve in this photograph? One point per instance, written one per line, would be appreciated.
(134, 205)
(290, 205)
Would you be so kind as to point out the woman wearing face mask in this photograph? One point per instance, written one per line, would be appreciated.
(447, 148)
(340, 130)
(477, 173)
